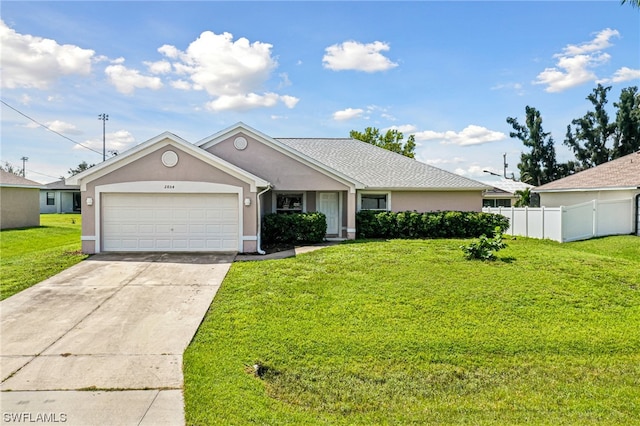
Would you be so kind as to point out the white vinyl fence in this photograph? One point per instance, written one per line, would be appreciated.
(570, 223)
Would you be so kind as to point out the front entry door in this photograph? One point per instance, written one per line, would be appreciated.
(329, 204)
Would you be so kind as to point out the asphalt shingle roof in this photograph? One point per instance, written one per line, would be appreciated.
(9, 179)
(623, 172)
(376, 167)
(60, 184)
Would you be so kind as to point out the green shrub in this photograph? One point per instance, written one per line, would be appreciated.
(412, 224)
(484, 248)
(293, 228)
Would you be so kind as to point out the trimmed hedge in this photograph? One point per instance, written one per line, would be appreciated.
(411, 224)
(293, 228)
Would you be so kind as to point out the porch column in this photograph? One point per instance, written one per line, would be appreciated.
(351, 214)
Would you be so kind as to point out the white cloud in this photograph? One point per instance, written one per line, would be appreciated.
(250, 101)
(440, 161)
(515, 87)
(352, 55)
(35, 62)
(126, 80)
(575, 64)
(159, 67)
(25, 99)
(62, 127)
(600, 42)
(470, 135)
(224, 67)
(473, 171)
(120, 141)
(405, 129)
(623, 74)
(347, 114)
(181, 85)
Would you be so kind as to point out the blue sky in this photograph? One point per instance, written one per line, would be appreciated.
(448, 72)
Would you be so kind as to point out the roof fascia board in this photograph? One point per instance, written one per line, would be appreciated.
(616, 188)
(282, 148)
(422, 189)
(17, 185)
(145, 148)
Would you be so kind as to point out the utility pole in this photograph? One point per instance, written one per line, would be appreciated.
(505, 165)
(24, 169)
(104, 118)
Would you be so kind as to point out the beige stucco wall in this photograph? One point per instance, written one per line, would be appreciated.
(282, 171)
(20, 207)
(150, 168)
(557, 199)
(425, 201)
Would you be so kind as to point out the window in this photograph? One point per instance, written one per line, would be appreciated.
(290, 203)
(51, 199)
(496, 202)
(374, 202)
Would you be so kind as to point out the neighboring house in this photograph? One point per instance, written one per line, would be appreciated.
(502, 193)
(167, 194)
(616, 180)
(18, 201)
(58, 197)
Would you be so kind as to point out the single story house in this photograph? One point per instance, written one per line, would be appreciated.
(616, 180)
(58, 197)
(18, 201)
(167, 194)
(502, 193)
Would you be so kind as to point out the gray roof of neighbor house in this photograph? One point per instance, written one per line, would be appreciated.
(61, 184)
(9, 179)
(623, 172)
(378, 168)
(507, 185)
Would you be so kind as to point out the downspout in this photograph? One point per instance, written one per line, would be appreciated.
(259, 207)
(637, 218)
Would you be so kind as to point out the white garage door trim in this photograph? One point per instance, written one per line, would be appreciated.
(164, 187)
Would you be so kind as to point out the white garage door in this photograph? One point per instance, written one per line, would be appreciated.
(170, 222)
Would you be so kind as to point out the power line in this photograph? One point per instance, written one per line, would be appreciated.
(48, 128)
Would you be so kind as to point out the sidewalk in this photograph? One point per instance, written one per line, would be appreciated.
(286, 253)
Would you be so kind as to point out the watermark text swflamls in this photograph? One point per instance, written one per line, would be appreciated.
(26, 417)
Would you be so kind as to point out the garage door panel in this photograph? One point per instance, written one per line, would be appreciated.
(162, 222)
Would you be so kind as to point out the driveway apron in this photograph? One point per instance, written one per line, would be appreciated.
(102, 342)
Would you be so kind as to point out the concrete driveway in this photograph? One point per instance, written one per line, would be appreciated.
(102, 342)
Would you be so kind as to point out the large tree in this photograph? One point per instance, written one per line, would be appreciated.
(538, 166)
(627, 135)
(591, 134)
(391, 140)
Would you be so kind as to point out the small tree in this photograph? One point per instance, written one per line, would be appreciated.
(524, 197)
(484, 248)
(80, 168)
(10, 168)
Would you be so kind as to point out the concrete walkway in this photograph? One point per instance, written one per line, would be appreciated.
(285, 253)
(102, 342)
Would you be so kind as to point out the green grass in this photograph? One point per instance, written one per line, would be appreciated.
(408, 332)
(30, 255)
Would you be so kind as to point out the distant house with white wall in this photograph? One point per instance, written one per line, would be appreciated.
(58, 197)
(502, 192)
(616, 180)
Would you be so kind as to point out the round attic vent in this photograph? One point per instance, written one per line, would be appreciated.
(240, 143)
(169, 158)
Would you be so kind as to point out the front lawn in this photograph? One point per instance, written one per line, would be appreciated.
(408, 332)
(30, 255)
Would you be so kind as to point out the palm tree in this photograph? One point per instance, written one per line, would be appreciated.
(634, 3)
(524, 197)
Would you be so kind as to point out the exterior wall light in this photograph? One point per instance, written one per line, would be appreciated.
(89, 201)
(247, 201)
